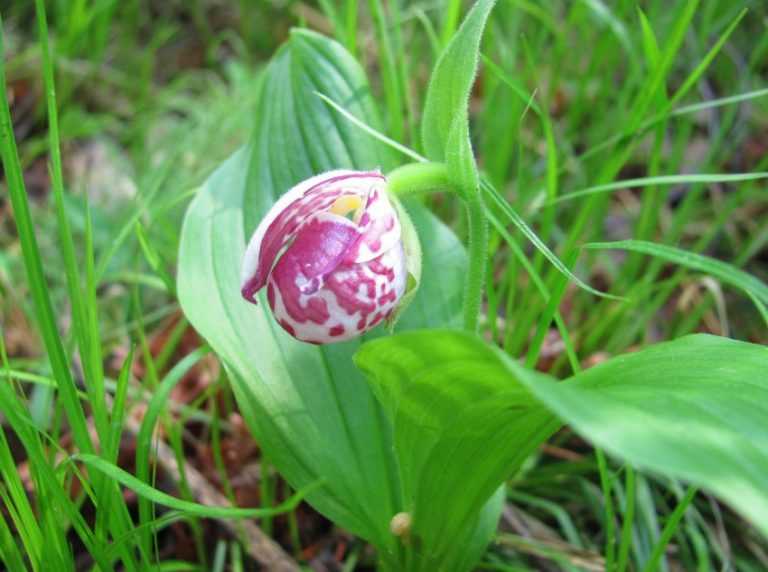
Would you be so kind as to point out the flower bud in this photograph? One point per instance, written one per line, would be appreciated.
(400, 525)
(331, 255)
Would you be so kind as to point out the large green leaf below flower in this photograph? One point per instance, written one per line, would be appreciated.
(309, 407)
(462, 425)
(694, 408)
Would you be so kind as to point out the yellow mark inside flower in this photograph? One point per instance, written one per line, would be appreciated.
(346, 206)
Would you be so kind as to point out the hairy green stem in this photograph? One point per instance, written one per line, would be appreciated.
(478, 251)
(430, 177)
(416, 178)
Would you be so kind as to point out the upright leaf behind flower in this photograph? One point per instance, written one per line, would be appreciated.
(309, 407)
(445, 136)
(451, 82)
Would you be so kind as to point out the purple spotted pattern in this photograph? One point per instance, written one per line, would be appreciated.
(330, 255)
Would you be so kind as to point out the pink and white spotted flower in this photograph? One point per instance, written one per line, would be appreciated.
(331, 255)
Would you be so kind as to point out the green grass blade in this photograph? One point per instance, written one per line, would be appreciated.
(638, 110)
(702, 66)
(517, 87)
(112, 446)
(678, 112)
(19, 512)
(537, 282)
(629, 519)
(350, 25)
(603, 14)
(154, 259)
(57, 186)
(639, 127)
(17, 503)
(371, 131)
(720, 102)
(669, 530)
(15, 496)
(529, 233)
(84, 311)
(390, 76)
(721, 270)
(760, 307)
(31, 378)
(9, 550)
(144, 436)
(54, 498)
(451, 18)
(642, 182)
(657, 78)
(329, 8)
(159, 523)
(33, 265)
(195, 509)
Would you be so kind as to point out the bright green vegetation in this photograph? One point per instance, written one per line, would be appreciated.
(596, 187)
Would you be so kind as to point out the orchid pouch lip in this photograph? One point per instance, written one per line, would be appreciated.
(331, 257)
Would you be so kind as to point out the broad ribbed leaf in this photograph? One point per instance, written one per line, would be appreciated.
(309, 407)
(462, 425)
(695, 408)
(465, 415)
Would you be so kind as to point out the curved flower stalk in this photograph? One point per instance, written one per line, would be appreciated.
(330, 253)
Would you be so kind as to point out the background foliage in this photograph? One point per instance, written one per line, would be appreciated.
(571, 96)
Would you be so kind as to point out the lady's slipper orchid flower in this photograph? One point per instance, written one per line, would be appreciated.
(331, 256)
